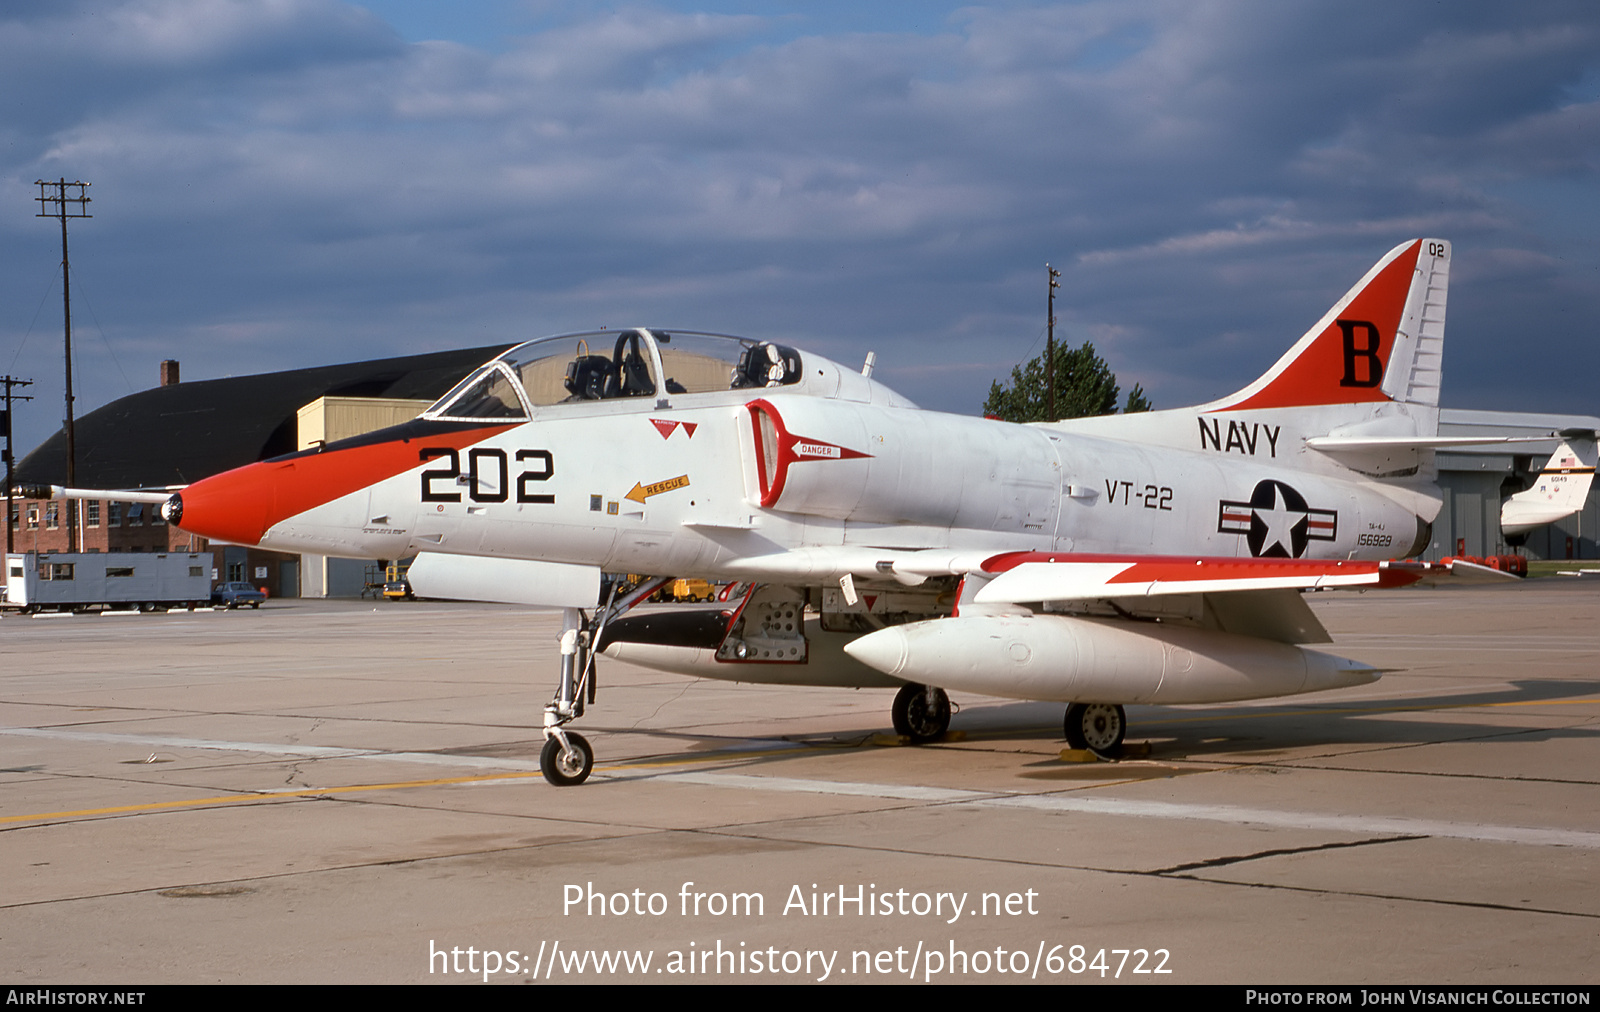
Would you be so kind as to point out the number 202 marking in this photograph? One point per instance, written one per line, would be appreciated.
(488, 475)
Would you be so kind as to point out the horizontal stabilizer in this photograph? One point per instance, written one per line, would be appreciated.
(1352, 444)
(1379, 455)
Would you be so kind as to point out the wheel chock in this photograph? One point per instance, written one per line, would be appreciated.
(892, 740)
(1129, 750)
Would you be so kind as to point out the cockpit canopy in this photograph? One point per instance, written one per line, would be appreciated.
(607, 365)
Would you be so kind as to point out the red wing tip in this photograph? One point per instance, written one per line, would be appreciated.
(1010, 560)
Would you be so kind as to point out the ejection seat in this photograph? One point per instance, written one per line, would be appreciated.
(588, 377)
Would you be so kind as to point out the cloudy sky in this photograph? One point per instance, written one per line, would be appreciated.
(283, 183)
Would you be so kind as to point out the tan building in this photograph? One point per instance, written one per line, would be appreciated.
(326, 420)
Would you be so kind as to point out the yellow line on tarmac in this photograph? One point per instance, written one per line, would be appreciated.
(717, 757)
(256, 798)
(310, 792)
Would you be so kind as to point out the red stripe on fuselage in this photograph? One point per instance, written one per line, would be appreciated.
(1182, 569)
(241, 505)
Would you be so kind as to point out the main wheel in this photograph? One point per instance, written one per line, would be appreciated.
(1098, 727)
(564, 770)
(921, 712)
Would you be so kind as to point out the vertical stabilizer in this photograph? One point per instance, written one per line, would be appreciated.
(1416, 365)
(1559, 489)
(1382, 343)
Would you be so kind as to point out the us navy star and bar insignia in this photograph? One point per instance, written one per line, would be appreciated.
(1276, 522)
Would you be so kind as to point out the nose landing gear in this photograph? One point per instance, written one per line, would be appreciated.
(567, 759)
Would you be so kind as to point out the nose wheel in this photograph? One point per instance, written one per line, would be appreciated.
(566, 763)
(1098, 727)
(921, 713)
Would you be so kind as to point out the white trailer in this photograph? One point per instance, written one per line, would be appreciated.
(80, 581)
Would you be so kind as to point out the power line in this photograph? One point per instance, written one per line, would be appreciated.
(63, 198)
(9, 458)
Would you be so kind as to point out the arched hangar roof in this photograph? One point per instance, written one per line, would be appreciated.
(174, 435)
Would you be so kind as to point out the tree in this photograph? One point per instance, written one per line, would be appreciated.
(1137, 401)
(1085, 385)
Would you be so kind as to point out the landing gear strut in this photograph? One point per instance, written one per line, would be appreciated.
(1098, 727)
(567, 758)
(921, 713)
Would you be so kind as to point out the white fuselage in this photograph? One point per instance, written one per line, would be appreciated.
(857, 474)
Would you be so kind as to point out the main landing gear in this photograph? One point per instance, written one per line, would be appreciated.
(921, 713)
(1098, 727)
(567, 758)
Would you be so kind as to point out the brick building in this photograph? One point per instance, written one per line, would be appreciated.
(107, 525)
(104, 525)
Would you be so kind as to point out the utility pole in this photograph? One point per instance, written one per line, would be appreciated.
(5, 428)
(62, 197)
(1049, 345)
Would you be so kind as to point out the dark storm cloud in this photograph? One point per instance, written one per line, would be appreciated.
(289, 183)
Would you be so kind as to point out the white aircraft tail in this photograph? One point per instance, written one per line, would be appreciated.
(1559, 490)
(1361, 387)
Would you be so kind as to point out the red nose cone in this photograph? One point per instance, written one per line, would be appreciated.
(241, 505)
(235, 506)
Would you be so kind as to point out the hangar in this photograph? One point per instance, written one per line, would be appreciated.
(1476, 481)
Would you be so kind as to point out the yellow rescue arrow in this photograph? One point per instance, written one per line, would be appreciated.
(642, 492)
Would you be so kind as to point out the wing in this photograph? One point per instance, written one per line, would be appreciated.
(1253, 597)
(1020, 577)
(1258, 598)
(1118, 629)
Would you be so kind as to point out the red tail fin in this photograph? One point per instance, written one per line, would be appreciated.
(1382, 342)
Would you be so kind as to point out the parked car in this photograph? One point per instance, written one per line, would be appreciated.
(235, 594)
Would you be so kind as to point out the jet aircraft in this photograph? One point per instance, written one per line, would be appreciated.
(1146, 558)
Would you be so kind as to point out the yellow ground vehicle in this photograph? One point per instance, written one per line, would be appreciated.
(396, 587)
(690, 590)
(679, 590)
